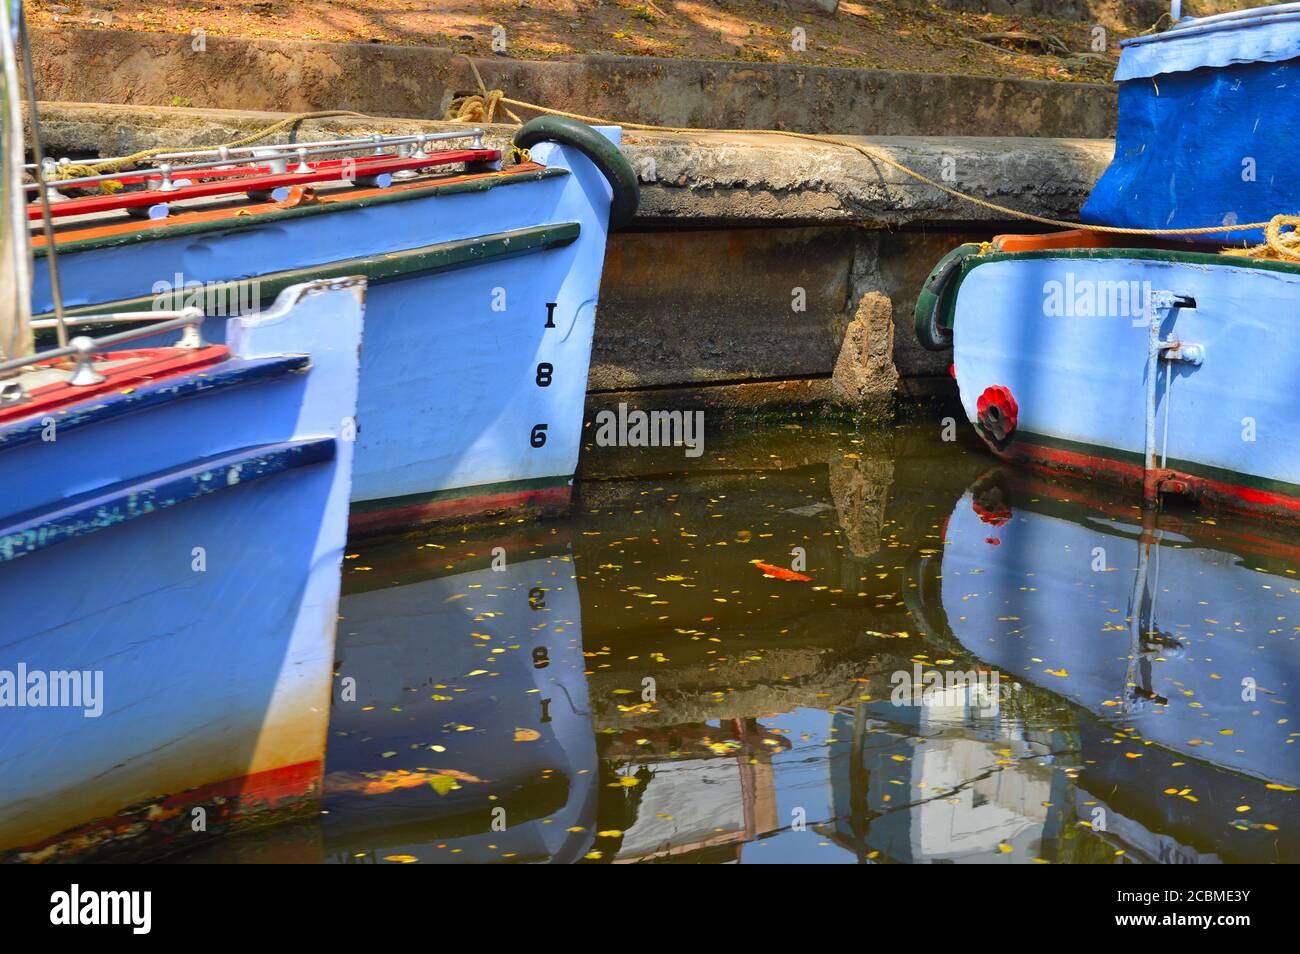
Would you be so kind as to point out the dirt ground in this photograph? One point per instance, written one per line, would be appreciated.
(884, 34)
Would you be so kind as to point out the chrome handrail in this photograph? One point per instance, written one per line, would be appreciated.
(1250, 13)
(260, 155)
(360, 142)
(83, 348)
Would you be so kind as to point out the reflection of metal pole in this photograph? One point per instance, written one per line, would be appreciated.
(1136, 619)
(1142, 624)
(858, 784)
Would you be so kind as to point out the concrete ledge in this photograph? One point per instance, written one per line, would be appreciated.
(418, 82)
(718, 177)
(705, 178)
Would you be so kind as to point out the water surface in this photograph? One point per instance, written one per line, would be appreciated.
(628, 684)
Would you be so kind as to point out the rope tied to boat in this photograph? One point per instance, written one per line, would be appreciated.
(478, 107)
(1277, 244)
(1275, 240)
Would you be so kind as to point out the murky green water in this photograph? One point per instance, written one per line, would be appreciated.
(630, 685)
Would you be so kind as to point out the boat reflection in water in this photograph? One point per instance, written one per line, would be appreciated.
(675, 703)
(1170, 650)
(460, 729)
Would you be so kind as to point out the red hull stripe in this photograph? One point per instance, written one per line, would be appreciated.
(459, 508)
(1030, 479)
(1232, 495)
(266, 789)
(242, 797)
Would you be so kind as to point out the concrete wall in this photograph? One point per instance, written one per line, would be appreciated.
(409, 81)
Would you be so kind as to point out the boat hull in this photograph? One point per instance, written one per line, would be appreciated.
(1065, 334)
(1149, 629)
(177, 547)
(480, 319)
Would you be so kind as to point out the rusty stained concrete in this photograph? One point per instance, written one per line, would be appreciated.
(763, 318)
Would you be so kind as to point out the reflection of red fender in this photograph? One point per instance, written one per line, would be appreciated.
(997, 412)
(995, 513)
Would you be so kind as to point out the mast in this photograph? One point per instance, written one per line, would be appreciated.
(15, 253)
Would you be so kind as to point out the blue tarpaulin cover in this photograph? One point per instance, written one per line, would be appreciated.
(1209, 119)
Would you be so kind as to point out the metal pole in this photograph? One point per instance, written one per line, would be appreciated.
(47, 221)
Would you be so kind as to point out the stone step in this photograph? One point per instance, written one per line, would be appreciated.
(156, 69)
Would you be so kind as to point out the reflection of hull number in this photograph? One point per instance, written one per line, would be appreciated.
(545, 374)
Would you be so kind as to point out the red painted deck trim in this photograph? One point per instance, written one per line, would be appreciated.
(79, 231)
(150, 365)
(1239, 497)
(458, 508)
(233, 185)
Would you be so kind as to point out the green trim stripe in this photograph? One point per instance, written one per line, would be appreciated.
(386, 267)
(1171, 256)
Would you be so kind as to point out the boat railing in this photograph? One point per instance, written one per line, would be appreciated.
(1251, 13)
(82, 349)
(276, 156)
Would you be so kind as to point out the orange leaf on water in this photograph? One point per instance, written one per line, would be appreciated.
(781, 573)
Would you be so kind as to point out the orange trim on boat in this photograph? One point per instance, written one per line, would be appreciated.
(1086, 238)
(1075, 238)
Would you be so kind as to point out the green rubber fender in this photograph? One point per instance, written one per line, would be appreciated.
(606, 156)
(933, 301)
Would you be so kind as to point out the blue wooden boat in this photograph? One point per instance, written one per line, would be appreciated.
(172, 520)
(1163, 364)
(1152, 631)
(483, 289)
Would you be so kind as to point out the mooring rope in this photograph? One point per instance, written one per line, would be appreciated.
(487, 100)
